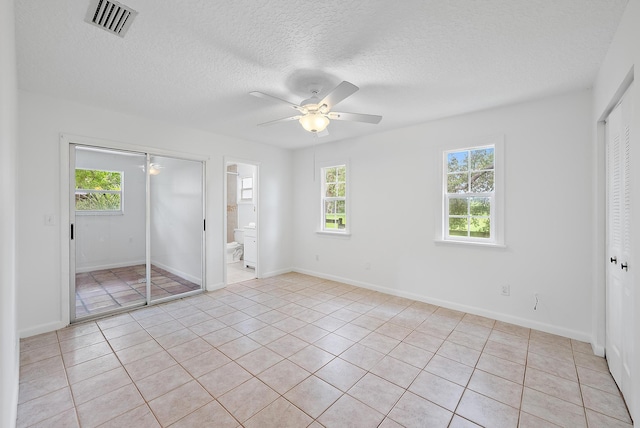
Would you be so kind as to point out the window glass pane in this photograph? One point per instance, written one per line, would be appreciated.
(482, 182)
(458, 206)
(330, 207)
(332, 221)
(330, 175)
(247, 194)
(469, 193)
(335, 187)
(330, 216)
(480, 207)
(98, 180)
(330, 191)
(482, 159)
(457, 183)
(457, 161)
(458, 227)
(97, 201)
(480, 227)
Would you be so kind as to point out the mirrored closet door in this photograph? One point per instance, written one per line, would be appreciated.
(136, 232)
(176, 226)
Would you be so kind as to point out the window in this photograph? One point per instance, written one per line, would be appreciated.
(246, 188)
(469, 182)
(99, 192)
(334, 198)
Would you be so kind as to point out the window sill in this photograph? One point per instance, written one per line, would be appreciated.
(99, 213)
(327, 233)
(469, 243)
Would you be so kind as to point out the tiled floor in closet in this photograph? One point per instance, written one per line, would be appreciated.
(108, 289)
(299, 351)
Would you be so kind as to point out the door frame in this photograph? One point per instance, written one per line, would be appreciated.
(599, 301)
(65, 142)
(623, 253)
(600, 261)
(256, 192)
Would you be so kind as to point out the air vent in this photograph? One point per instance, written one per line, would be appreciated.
(111, 16)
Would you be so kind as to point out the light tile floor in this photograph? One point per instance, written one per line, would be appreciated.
(238, 272)
(296, 351)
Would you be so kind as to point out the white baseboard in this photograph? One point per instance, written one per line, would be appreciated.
(178, 272)
(110, 266)
(597, 348)
(276, 272)
(214, 287)
(547, 328)
(42, 328)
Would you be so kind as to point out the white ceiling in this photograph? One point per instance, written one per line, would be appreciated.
(193, 62)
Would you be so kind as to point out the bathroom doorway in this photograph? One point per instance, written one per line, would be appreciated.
(241, 244)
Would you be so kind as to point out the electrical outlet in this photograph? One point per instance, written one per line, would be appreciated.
(505, 290)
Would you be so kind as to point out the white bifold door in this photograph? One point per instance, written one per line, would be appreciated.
(619, 287)
(136, 229)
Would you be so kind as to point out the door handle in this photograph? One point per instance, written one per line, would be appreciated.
(614, 260)
(624, 266)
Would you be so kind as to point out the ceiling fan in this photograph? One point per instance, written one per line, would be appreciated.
(154, 168)
(315, 114)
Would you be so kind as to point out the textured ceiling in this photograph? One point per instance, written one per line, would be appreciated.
(193, 62)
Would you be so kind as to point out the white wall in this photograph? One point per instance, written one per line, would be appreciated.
(623, 56)
(176, 218)
(9, 344)
(395, 198)
(106, 241)
(41, 291)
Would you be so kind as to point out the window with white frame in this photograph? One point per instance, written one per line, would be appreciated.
(334, 198)
(246, 188)
(98, 191)
(469, 202)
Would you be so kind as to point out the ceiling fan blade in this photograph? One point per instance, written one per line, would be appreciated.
(342, 91)
(286, 119)
(278, 100)
(355, 117)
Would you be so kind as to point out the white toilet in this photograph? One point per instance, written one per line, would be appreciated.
(235, 248)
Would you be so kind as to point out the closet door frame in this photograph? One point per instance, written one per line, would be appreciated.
(67, 143)
(619, 281)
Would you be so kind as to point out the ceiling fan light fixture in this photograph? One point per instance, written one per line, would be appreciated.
(154, 168)
(314, 122)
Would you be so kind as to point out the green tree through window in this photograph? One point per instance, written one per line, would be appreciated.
(334, 199)
(469, 192)
(97, 190)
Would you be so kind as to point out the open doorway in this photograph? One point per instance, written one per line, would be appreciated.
(241, 225)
